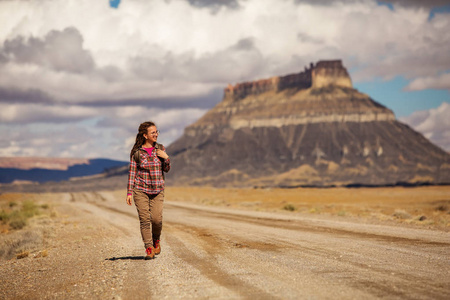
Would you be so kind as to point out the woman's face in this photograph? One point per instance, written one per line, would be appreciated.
(152, 134)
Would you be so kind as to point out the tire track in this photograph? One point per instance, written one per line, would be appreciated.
(298, 225)
(282, 265)
(210, 269)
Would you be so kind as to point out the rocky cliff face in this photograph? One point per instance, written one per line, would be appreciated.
(309, 128)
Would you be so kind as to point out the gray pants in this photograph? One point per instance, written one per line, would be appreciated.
(149, 208)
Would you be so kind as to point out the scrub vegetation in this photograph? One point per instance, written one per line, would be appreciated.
(21, 217)
(427, 206)
(14, 214)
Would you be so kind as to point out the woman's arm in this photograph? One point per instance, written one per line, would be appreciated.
(166, 167)
(131, 177)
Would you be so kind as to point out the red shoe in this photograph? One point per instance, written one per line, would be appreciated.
(157, 246)
(150, 253)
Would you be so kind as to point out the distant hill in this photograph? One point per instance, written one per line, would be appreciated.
(306, 129)
(49, 163)
(29, 169)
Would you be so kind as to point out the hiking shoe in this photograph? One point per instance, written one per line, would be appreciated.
(150, 253)
(157, 247)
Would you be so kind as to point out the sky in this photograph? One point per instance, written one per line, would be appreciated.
(77, 77)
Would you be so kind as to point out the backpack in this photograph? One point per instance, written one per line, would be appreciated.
(137, 157)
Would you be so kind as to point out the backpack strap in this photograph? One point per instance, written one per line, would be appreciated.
(137, 156)
(160, 146)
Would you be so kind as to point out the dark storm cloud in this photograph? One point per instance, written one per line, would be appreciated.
(58, 50)
(12, 95)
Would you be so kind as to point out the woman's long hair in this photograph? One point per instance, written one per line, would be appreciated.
(140, 139)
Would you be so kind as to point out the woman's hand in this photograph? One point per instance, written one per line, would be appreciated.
(129, 198)
(162, 154)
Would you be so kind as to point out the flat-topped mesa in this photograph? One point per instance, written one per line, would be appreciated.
(307, 129)
(330, 72)
(324, 73)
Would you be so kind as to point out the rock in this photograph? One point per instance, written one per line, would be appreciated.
(264, 133)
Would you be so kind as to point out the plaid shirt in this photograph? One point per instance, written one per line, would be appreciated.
(148, 176)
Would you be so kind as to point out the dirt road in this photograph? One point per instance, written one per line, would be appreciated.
(95, 251)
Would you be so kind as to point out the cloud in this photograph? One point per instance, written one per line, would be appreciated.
(39, 113)
(15, 95)
(190, 52)
(409, 3)
(42, 141)
(111, 136)
(241, 60)
(58, 50)
(440, 82)
(99, 75)
(215, 5)
(418, 3)
(325, 2)
(167, 120)
(434, 124)
(407, 44)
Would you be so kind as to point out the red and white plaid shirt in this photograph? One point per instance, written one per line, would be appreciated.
(148, 176)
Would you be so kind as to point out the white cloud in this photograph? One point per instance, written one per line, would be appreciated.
(156, 49)
(75, 131)
(48, 140)
(171, 122)
(434, 124)
(439, 82)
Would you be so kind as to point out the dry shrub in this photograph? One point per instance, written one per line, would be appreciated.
(401, 214)
(44, 253)
(442, 207)
(289, 207)
(23, 254)
(16, 217)
(18, 242)
(18, 224)
(420, 218)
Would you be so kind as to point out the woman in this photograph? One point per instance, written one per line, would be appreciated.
(148, 162)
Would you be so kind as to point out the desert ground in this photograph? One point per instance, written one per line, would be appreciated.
(306, 243)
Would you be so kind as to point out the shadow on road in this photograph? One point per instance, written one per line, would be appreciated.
(127, 257)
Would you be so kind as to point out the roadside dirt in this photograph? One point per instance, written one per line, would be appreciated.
(94, 250)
